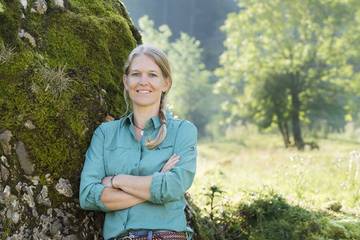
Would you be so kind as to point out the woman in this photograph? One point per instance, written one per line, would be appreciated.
(138, 168)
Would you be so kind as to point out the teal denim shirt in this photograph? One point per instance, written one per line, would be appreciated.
(115, 150)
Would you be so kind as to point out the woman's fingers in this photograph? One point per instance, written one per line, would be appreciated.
(106, 181)
(170, 163)
(172, 159)
(168, 167)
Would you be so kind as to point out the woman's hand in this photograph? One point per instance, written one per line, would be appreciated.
(106, 181)
(170, 164)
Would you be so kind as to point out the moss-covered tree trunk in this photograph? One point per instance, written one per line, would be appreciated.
(60, 75)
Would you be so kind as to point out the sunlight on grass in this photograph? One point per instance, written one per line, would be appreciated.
(313, 179)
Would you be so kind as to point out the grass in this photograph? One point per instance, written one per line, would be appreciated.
(246, 163)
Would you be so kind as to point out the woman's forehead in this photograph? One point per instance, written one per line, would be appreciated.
(144, 63)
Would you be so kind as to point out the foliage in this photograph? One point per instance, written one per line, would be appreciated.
(290, 63)
(191, 94)
(268, 216)
(253, 188)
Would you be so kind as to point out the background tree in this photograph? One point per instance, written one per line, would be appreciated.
(289, 63)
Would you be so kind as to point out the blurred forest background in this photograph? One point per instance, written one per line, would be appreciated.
(274, 89)
(284, 66)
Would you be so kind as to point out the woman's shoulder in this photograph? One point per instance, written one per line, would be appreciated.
(183, 125)
(183, 131)
(110, 126)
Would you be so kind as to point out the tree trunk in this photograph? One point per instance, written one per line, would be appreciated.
(283, 127)
(286, 127)
(51, 100)
(295, 119)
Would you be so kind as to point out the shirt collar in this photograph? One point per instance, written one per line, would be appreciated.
(154, 121)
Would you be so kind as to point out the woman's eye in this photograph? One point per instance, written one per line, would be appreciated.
(153, 75)
(135, 74)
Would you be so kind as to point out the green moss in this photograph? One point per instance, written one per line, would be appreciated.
(34, 25)
(10, 22)
(70, 41)
(90, 40)
(8, 228)
(2, 7)
(17, 65)
(95, 62)
(104, 9)
(98, 8)
(64, 123)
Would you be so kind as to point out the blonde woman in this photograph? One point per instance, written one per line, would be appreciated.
(138, 168)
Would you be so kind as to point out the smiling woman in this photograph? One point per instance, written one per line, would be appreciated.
(138, 168)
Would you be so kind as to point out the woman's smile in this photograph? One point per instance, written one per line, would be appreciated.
(143, 91)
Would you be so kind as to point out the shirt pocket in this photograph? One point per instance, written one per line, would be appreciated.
(153, 160)
(164, 152)
(118, 159)
(169, 147)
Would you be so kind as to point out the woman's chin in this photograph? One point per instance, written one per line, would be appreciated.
(145, 103)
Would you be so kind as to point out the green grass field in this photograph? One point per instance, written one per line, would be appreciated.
(250, 163)
(319, 189)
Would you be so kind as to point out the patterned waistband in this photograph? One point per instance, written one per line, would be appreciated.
(153, 235)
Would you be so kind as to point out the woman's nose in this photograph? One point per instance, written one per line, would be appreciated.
(143, 80)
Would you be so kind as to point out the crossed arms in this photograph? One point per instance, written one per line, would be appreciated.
(176, 176)
(125, 191)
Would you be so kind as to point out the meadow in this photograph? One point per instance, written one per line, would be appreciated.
(247, 166)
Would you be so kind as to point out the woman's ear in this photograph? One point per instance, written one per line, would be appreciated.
(125, 82)
(167, 85)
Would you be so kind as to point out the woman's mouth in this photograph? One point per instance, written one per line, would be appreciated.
(143, 91)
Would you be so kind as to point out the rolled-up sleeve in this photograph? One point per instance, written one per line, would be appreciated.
(172, 185)
(93, 172)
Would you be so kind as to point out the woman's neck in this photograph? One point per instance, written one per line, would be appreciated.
(142, 115)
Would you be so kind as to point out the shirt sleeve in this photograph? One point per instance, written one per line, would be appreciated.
(93, 172)
(172, 185)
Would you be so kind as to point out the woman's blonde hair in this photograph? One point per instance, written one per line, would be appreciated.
(162, 61)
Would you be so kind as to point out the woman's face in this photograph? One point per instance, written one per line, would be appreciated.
(145, 82)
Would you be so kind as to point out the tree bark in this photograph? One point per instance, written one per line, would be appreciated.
(46, 124)
(295, 119)
(284, 129)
